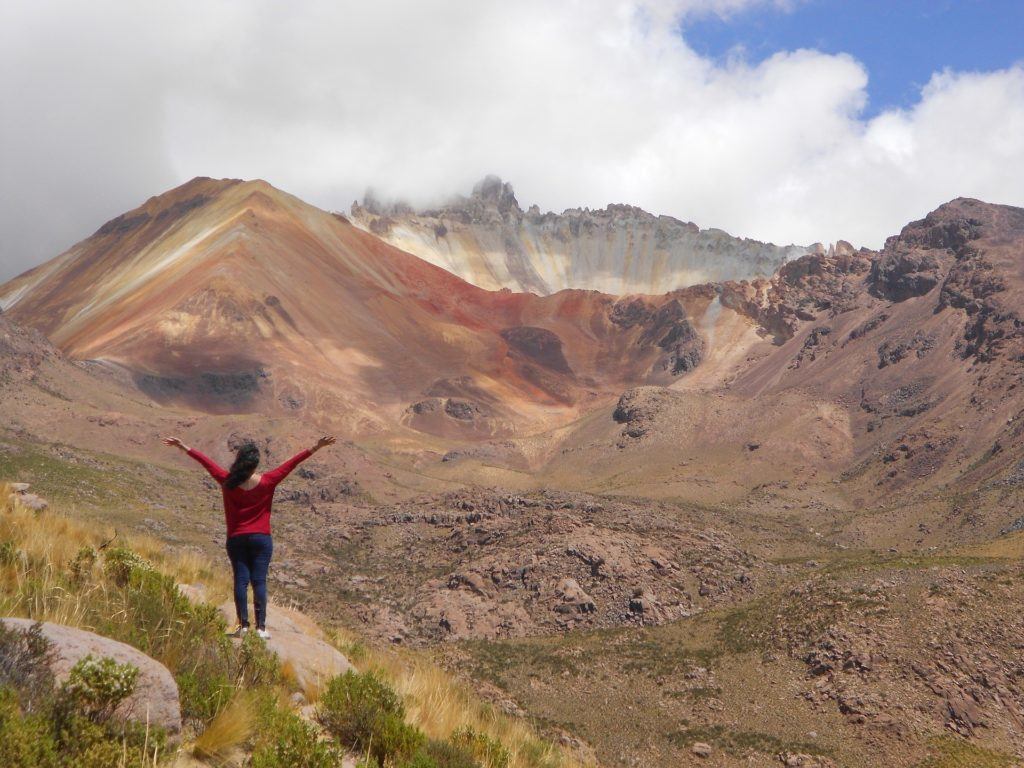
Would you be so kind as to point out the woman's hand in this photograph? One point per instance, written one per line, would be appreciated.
(323, 442)
(174, 442)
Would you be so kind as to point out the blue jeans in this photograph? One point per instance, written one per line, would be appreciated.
(250, 555)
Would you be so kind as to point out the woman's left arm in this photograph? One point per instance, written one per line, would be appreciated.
(275, 476)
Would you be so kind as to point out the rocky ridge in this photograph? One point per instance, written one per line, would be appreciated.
(489, 240)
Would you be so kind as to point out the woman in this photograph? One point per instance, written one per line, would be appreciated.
(247, 501)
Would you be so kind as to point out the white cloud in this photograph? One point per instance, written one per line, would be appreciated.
(580, 102)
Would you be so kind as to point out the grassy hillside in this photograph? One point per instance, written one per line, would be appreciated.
(240, 704)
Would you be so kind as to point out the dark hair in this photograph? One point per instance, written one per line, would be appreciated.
(245, 463)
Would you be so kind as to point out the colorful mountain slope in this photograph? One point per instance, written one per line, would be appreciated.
(234, 296)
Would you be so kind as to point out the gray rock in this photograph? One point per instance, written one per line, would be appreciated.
(156, 693)
(701, 749)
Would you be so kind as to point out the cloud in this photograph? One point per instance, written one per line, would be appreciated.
(581, 102)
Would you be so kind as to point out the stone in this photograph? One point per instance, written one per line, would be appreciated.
(155, 699)
(803, 760)
(32, 501)
(573, 597)
(644, 603)
(701, 749)
(299, 643)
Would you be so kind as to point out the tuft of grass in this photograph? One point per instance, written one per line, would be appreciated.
(229, 729)
(440, 705)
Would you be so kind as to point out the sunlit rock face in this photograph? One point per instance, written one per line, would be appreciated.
(488, 240)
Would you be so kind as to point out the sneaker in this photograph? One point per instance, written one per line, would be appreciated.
(264, 635)
(238, 631)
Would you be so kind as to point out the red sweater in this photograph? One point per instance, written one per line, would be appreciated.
(248, 511)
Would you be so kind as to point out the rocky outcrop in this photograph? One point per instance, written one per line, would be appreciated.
(638, 409)
(300, 644)
(539, 345)
(488, 239)
(155, 699)
(669, 328)
(823, 282)
(516, 565)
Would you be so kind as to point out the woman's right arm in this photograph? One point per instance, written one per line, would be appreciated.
(217, 472)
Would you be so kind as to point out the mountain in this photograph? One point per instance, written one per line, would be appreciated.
(233, 296)
(487, 239)
(890, 371)
(866, 378)
(776, 519)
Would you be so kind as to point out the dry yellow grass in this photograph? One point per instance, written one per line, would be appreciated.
(228, 731)
(439, 704)
(54, 541)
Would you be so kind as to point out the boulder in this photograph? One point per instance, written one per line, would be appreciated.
(156, 693)
(300, 644)
(32, 501)
(573, 598)
(701, 749)
(803, 760)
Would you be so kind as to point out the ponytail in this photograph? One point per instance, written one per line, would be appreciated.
(245, 463)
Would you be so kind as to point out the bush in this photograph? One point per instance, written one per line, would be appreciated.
(8, 553)
(120, 563)
(365, 714)
(83, 743)
(25, 657)
(96, 687)
(441, 754)
(204, 691)
(25, 741)
(491, 753)
(82, 564)
(291, 741)
(394, 739)
(257, 665)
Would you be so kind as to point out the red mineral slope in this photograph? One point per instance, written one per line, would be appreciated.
(233, 296)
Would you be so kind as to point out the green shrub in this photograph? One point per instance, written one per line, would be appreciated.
(96, 687)
(440, 754)
(120, 563)
(488, 751)
(287, 740)
(26, 741)
(257, 665)
(394, 739)
(8, 553)
(60, 737)
(82, 564)
(203, 691)
(25, 657)
(83, 743)
(366, 715)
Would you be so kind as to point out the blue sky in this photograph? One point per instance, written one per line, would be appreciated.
(900, 42)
